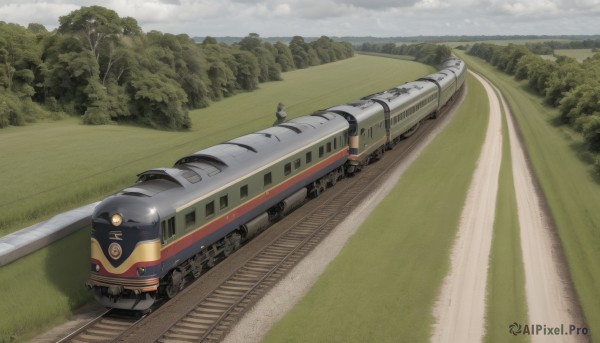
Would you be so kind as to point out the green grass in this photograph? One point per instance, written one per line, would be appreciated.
(383, 284)
(42, 289)
(567, 180)
(47, 168)
(506, 302)
(578, 54)
(400, 57)
(51, 167)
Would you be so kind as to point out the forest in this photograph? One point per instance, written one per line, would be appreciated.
(105, 69)
(428, 53)
(571, 86)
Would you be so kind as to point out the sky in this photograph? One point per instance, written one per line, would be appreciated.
(310, 18)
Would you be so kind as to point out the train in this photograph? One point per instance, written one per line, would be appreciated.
(175, 223)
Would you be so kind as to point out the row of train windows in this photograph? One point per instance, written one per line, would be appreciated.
(168, 226)
(413, 109)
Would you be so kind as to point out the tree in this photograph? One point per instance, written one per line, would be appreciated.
(159, 101)
(299, 50)
(284, 57)
(265, 57)
(93, 25)
(20, 57)
(247, 70)
(564, 78)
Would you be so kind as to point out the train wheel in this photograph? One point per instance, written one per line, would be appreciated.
(174, 285)
(333, 178)
(196, 264)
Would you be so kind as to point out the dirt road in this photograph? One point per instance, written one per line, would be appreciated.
(548, 300)
(460, 309)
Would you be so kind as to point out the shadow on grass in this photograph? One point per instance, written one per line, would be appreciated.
(68, 265)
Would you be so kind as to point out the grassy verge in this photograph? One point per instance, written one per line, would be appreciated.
(50, 167)
(43, 288)
(383, 284)
(506, 302)
(47, 168)
(567, 180)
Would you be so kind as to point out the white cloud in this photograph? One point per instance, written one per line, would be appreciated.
(332, 17)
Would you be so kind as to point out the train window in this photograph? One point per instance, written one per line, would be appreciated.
(322, 151)
(167, 228)
(171, 227)
(297, 163)
(190, 220)
(287, 169)
(223, 201)
(210, 209)
(163, 231)
(308, 157)
(244, 192)
(335, 143)
(267, 179)
(328, 147)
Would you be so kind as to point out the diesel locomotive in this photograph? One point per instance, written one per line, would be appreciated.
(175, 223)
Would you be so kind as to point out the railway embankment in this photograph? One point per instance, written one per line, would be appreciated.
(383, 283)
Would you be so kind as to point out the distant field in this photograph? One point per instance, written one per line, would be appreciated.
(578, 54)
(400, 57)
(383, 284)
(504, 42)
(47, 168)
(568, 183)
(71, 164)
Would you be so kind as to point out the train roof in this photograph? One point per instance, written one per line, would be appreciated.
(443, 78)
(397, 96)
(360, 110)
(210, 169)
(453, 62)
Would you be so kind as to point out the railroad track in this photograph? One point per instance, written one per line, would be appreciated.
(215, 314)
(105, 328)
(217, 310)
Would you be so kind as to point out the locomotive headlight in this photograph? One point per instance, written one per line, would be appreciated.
(97, 268)
(116, 219)
(141, 271)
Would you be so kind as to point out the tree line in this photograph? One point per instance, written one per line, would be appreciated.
(547, 48)
(571, 86)
(103, 68)
(428, 53)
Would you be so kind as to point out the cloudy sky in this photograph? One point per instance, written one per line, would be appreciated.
(382, 18)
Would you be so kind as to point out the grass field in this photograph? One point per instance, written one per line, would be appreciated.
(578, 54)
(47, 168)
(383, 284)
(50, 167)
(567, 180)
(506, 302)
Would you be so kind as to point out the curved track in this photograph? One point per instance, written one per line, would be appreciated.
(206, 310)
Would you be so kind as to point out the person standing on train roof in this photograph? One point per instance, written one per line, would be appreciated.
(280, 114)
